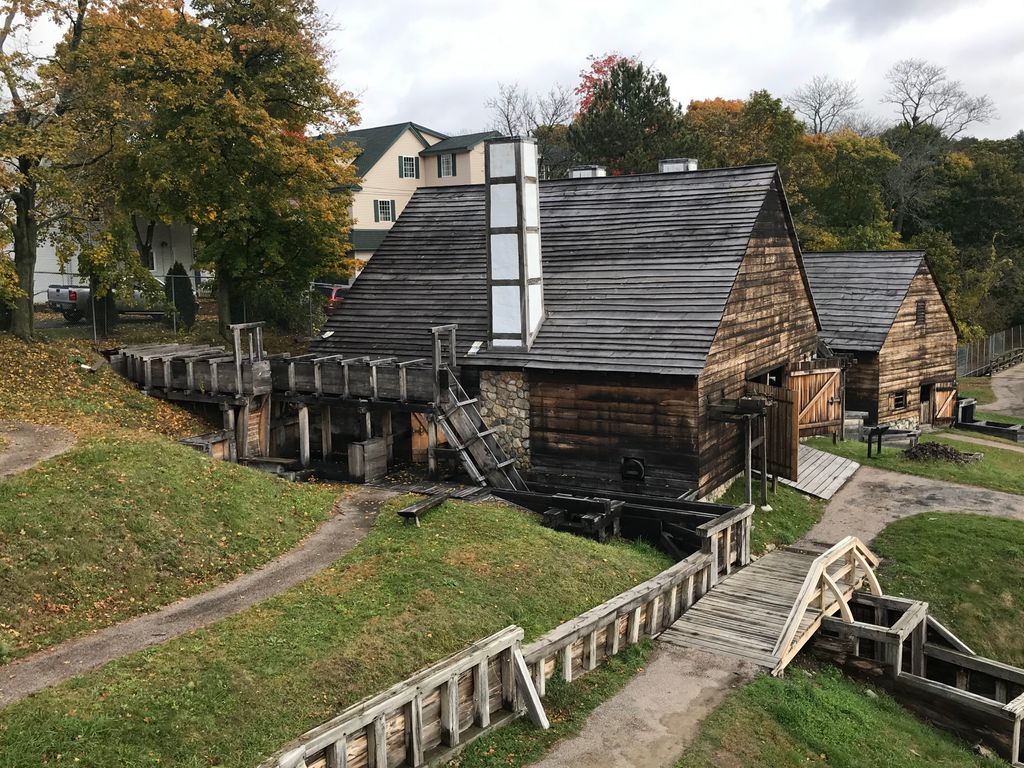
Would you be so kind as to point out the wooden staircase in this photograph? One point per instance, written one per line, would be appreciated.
(476, 445)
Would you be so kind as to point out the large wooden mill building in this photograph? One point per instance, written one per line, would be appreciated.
(611, 327)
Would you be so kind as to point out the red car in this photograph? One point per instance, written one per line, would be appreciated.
(335, 295)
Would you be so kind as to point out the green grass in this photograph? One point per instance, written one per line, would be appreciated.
(116, 527)
(969, 568)
(820, 717)
(978, 387)
(234, 692)
(791, 517)
(989, 416)
(999, 470)
(567, 705)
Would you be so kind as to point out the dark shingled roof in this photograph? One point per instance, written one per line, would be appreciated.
(462, 143)
(637, 271)
(374, 142)
(858, 294)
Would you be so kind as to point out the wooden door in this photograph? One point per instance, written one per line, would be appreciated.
(820, 398)
(783, 438)
(945, 403)
(927, 404)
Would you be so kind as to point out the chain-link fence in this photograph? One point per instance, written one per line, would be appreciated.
(977, 358)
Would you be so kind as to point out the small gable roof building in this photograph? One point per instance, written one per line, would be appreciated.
(662, 296)
(884, 310)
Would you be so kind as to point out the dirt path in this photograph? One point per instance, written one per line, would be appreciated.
(650, 722)
(1008, 387)
(873, 498)
(29, 444)
(353, 516)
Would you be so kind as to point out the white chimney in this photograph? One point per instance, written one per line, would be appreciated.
(587, 171)
(677, 164)
(514, 281)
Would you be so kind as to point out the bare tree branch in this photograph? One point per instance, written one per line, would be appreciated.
(923, 94)
(825, 104)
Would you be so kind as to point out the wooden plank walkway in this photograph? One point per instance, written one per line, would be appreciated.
(745, 614)
(821, 473)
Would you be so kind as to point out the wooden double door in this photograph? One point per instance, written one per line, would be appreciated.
(819, 395)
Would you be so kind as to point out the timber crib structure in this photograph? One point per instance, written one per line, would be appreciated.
(246, 382)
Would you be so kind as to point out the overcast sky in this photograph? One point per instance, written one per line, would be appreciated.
(436, 63)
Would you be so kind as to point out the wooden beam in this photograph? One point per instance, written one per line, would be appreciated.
(304, 435)
(525, 685)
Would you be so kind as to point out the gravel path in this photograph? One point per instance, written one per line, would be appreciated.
(873, 498)
(1008, 387)
(353, 515)
(653, 719)
(29, 444)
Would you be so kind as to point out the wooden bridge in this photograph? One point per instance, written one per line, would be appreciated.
(766, 612)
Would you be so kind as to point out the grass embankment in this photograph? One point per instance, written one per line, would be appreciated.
(791, 517)
(404, 597)
(999, 470)
(567, 705)
(116, 527)
(45, 383)
(820, 717)
(969, 568)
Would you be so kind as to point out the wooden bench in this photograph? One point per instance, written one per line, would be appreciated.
(412, 512)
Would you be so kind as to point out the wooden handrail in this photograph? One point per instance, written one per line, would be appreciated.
(818, 582)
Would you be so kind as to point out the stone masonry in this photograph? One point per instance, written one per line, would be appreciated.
(505, 406)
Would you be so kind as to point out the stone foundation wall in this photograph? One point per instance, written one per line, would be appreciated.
(505, 406)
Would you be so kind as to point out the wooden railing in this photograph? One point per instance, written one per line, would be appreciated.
(727, 540)
(579, 645)
(420, 719)
(897, 643)
(830, 583)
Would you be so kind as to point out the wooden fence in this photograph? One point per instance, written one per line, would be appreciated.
(428, 717)
(927, 668)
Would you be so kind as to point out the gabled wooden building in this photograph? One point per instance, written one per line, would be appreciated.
(604, 329)
(884, 310)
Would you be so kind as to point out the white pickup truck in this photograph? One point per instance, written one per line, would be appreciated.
(72, 301)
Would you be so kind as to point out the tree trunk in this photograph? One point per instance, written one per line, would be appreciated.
(224, 289)
(25, 241)
(144, 244)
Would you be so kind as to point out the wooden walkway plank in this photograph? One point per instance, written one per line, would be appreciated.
(821, 473)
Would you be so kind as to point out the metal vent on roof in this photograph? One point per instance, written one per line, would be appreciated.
(677, 164)
(587, 171)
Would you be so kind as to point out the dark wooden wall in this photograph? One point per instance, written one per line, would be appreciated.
(862, 385)
(913, 355)
(583, 424)
(768, 322)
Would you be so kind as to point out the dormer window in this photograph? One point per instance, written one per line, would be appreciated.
(408, 167)
(445, 166)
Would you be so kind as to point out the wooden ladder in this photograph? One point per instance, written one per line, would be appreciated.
(477, 445)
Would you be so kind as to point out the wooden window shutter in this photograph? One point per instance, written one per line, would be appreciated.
(394, 211)
(417, 167)
(453, 164)
(439, 166)
(401, 167)
(376, 210)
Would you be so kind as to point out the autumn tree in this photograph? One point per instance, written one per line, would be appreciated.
(517, 112)
(40, 150)
(923, 94)
(599, 71)
(825, 103)
(630, 122)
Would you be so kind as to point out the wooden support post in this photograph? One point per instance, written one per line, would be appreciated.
(326, 445)
(917, 640)
(748, 464)
(304, 435)
(508, 679)
(634, 627)
(764, 464)
(414, 743)
(712, 545)
(654, 616)
(1015, 744)
(450, 712)
(379, 756)
(612, 641)
(242, 430)
(432, 446)
(337, 754)
(727, 536)
(229, 417)
(367, 424)
(482, 693)
(673, 605)
(567, 663)
(1000, 693)
(592, 650)
(881, 649)
(963, 679)
(688, 593)
(540, 679)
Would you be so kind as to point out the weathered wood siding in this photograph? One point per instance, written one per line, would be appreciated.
(862, 384)
(914, 354)
(583, 424)
(768, 322)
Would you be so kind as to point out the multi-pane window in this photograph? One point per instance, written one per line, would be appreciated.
(383, 210)
(446, 166)
(408, 167)
(899, 400)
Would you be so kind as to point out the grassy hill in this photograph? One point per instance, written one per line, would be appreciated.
(404, 597)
